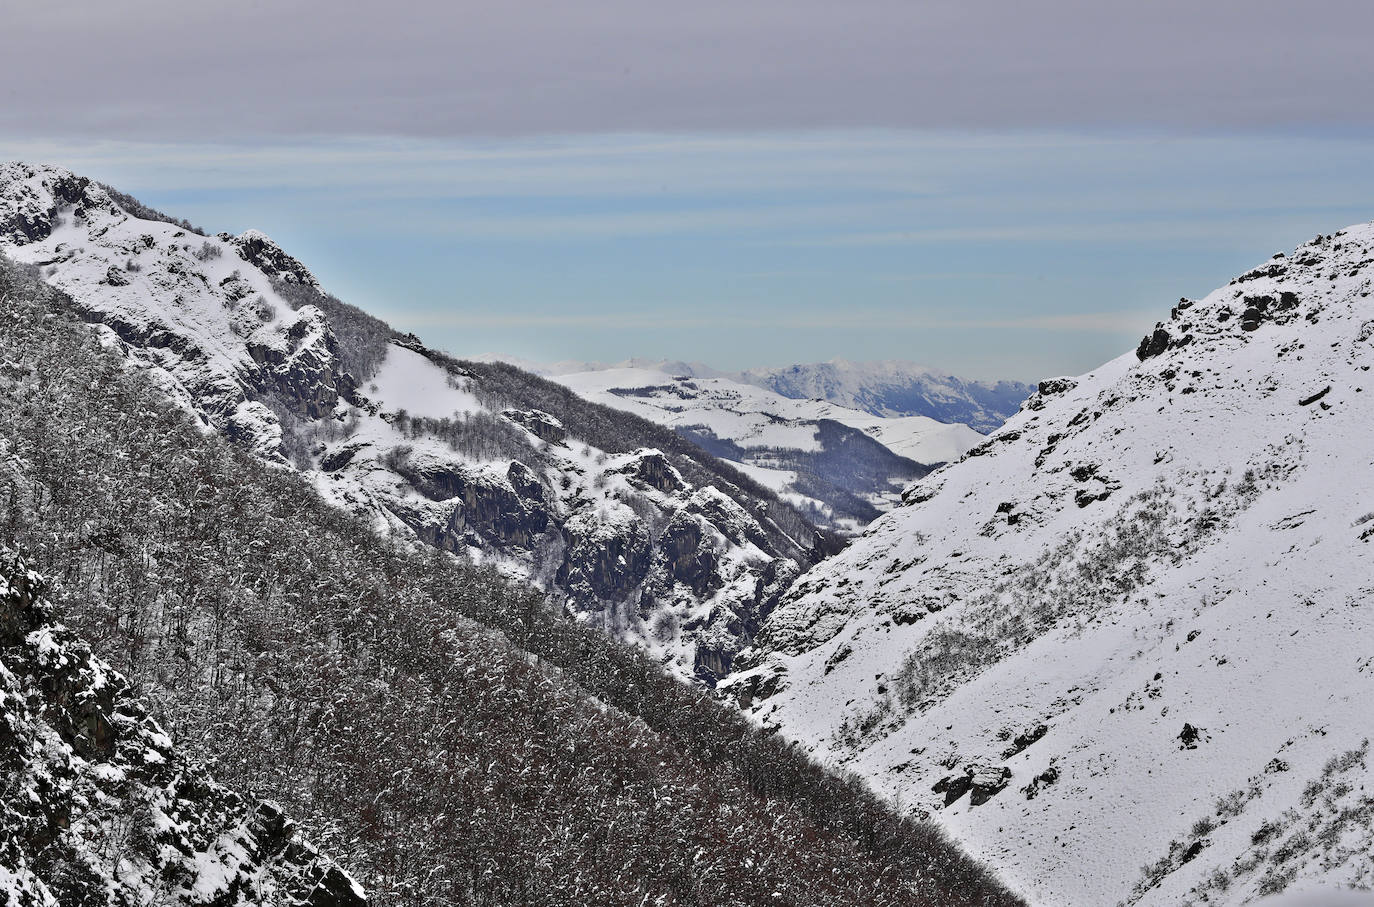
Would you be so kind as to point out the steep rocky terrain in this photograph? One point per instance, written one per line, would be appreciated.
(839, 466)
(98, 807)
(1122, 649)
(632, 527)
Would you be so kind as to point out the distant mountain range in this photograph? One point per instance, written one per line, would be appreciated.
(839, 466)
(888, 389)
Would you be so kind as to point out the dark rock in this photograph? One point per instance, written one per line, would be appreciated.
(986, 782)
(493, 509)
(260, 251)
(604, 562)
(981, 782)
(1190, 736)
(1044, 779)
(652, 468)
(538, 423)
(525, 483)
(339, 458)
(689, 560)
(1308, 401)
(953, 786)
(1085, 496)
(1153, 344)
(1024, 740)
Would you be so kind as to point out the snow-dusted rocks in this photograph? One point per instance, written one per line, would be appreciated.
(1145, 601)
(196, 311)
(100, 808)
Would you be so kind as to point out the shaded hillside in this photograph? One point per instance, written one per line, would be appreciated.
(98, 807)
(435, 726)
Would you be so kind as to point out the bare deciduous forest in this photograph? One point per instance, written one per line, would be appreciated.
(435, 727)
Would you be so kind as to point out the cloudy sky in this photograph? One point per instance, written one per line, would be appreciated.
(998, 188)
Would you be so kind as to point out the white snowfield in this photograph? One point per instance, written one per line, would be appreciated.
(1130, 638)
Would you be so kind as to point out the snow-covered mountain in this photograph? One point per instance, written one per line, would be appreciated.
(1124, 649)
(629, 524)
(840, 466)
(896, 389)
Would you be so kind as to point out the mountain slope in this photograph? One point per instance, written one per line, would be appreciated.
(435, 725)
(840, 466)
(896, 389)
(632, 528)
(100, 808)
(1132, 627)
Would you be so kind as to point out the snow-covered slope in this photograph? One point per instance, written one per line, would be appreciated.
(782, 442)
(895, 389)
(1124, 650)
(628, 524)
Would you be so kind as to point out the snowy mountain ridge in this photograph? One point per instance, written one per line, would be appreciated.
(1121, 649)
(627, 524)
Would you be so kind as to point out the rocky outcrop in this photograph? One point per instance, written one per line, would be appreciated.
(651, 468)
(300, 366)
(538, 423)
(259, 250)
(604, 560)
(101, 809)
(980, 782)
(690, 559)
(508, 511)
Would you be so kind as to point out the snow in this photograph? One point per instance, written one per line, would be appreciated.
(1178, 540)
(408, 381)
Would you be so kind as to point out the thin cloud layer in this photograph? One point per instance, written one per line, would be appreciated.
(159, 69)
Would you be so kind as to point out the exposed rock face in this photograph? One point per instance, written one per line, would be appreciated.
(604, 561)
(653, 469)
(200, 311)
(690, 560)
(506, 511)
(101, 809)
(539, 423)
(259, 250)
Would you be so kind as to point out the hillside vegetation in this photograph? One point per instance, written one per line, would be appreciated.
(437, 728)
